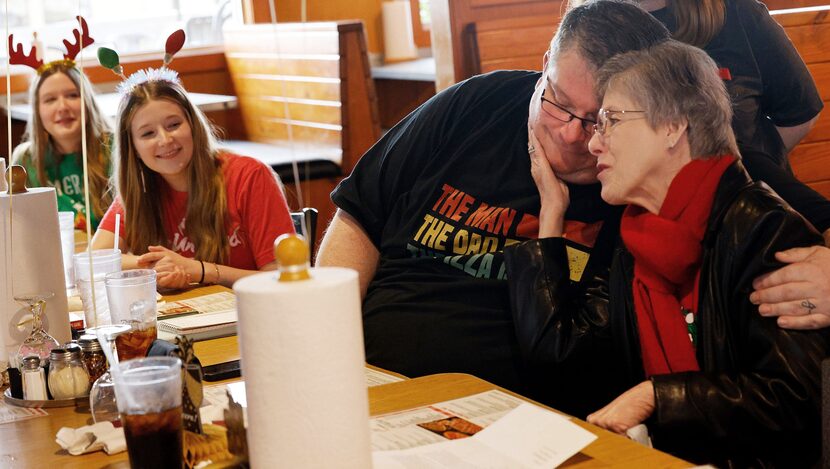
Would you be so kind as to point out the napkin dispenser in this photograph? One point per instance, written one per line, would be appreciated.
(30, 252)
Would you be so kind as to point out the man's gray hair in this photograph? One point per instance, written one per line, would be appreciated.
(600, 29)
(676, 83)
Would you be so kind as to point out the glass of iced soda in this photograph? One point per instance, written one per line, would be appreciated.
(132, 300)
(149, 396)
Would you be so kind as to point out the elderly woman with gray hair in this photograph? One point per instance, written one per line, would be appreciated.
(669, 334)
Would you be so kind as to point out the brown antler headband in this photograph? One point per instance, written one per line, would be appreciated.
(17, 57)
(82, 40)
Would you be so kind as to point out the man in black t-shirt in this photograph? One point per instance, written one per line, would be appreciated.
(428, 210)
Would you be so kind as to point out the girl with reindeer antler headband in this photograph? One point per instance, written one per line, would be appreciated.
(192, 212)
(51, 147)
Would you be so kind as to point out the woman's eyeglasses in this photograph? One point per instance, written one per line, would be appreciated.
(607, 118)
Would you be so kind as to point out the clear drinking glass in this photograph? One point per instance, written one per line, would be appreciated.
(102, 402)
(150, 402)
(39, 342)
(132, 300)
(104, 261)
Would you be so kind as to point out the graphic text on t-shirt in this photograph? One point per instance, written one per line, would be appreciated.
(469, 234)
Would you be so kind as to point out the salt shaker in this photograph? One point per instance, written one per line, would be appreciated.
(34, 379)
(67, 377)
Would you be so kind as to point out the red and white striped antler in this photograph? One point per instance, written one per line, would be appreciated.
(82, 39)
(17, 57)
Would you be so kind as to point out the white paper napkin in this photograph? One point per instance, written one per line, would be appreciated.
(102, 435)
(639, 433)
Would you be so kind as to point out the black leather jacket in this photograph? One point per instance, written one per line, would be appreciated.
(756, 400)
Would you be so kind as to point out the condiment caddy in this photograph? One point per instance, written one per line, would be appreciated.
(63, 380)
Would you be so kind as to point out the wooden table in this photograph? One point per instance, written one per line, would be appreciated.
(31, 443)
(108, 103)
(608, 450)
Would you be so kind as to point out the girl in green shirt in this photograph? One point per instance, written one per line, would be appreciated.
(51, 148)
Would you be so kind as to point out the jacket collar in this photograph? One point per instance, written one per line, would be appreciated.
(734, 179)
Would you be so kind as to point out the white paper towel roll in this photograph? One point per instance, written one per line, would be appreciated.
(34, 264)
(398, 40)
(302, 356)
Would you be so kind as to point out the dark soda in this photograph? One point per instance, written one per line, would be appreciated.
(154, 440)
(135, 343)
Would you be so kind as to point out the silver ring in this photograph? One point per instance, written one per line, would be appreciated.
(530, 148)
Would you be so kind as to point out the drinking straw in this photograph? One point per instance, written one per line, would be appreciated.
(117, 229)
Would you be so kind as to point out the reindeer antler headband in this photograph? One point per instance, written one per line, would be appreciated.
(108, 58)
(82, 40)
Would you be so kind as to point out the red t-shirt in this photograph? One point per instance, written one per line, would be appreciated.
(257, 213)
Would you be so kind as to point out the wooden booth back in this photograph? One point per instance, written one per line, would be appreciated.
(810, 33)
(305, 95)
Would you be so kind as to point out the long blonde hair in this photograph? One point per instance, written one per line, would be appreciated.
(698, 21)
(140, 188)
(37, 140)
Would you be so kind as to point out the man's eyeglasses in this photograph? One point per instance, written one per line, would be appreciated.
(607, 118)
(559, 113)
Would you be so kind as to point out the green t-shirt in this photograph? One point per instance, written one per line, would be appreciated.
(67, 178)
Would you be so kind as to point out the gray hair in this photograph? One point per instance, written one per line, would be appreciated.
(601, 29)
(675, 83)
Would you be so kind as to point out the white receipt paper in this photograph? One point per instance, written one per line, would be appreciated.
(10, 413)
(528, 437)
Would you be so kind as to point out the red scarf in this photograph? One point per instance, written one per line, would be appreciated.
(667, 254)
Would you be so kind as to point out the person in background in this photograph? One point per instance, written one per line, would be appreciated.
(768, 81)
(51, 148)
(190, 211)
(714, 381)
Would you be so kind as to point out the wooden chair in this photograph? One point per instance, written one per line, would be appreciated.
(495, 45)
(781, 4)
(465, 32)
(810, 33)
(305, 223)
(306, 96)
